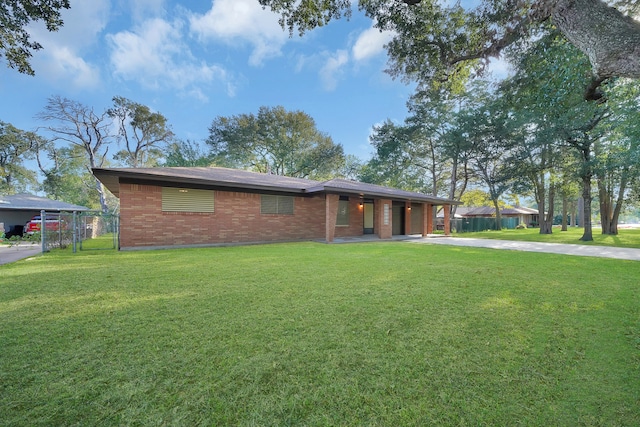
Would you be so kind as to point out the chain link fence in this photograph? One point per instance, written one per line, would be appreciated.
(467, 225)
(87, 230)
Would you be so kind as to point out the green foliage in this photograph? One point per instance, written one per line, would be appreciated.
(16, 44)
(443, 44)
(16, 146)
(186, 154)
(476, 198)
(385, 334)
(141, 131)
(275, 141)
(398, 159)
(69, 180)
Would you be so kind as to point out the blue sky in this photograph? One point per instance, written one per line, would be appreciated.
(195, 60)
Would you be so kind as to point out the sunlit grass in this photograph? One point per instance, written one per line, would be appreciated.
(388, 334)
(626, 237)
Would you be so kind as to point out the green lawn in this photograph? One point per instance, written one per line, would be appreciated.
(369, 334)
(626, 238)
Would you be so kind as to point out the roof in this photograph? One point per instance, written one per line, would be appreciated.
(487, 211)
(235, 179)
(29, 202)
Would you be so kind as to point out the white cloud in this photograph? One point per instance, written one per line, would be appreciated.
(66, 65)
(370, 43)
(241, 22)
(62, 55)
(332, 69)
(155, 55)
(143, 9)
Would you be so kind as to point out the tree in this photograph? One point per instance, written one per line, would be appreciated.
(186, 154)
(141, 131)
(617, 154)
(67, 178)
(275, 141)
(558, 127)
(16, 146)
(436, 43)
(476, 198)
(15, 16)
(80, 126)
(483, 123)
(398, 160)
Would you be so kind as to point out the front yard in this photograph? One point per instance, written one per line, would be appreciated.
(387, 334)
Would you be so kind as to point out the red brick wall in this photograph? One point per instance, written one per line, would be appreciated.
(236, 219)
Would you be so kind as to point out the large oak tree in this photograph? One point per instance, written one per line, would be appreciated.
(436, 43)
(275, 141)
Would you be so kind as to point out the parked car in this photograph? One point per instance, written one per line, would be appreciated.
(53, 222)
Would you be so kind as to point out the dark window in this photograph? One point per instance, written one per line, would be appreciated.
(282, 205)
(343, 211)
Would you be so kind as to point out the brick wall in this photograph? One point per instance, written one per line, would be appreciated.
(237, 219)
(383, 218)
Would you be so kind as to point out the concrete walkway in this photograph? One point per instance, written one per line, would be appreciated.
(553, 248)
(17, 252)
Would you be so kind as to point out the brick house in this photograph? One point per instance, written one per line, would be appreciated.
(163, 207)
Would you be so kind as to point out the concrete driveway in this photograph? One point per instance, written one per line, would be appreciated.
(17, 252)
(553, 248)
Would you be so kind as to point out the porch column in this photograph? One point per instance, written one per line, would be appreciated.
(383, 218)
(447, 220)
(331, 213)
(427, 219)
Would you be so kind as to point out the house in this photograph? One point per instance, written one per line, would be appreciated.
(163, 207)
(16, 210)
(523, 215)
(483, 218)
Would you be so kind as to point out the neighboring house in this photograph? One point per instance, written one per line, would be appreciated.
(18, 209)
(162, 207)
(524, 215)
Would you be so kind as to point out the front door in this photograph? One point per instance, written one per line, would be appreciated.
(397, 219)
(368, 217)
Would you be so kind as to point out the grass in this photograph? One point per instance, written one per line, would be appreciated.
(626, 237)
(377, 334)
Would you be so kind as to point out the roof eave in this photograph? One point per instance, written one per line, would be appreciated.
(112, 178)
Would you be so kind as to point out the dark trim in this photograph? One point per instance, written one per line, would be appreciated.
(204, 186)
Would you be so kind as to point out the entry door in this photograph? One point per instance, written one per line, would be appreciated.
(368, 217)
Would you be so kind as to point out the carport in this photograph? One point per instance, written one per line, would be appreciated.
(16, 210)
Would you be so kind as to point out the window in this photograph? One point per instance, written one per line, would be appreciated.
(343, 211)
(282, 205)
(186, 200)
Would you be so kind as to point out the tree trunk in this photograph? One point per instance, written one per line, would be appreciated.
(605, 207)
(610, 39)
(610, 213)
(587, 236)
(565, 211)
(496, 205)
(546, 222)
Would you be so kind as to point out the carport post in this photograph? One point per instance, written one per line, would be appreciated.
(43, 224)
(75, 230)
